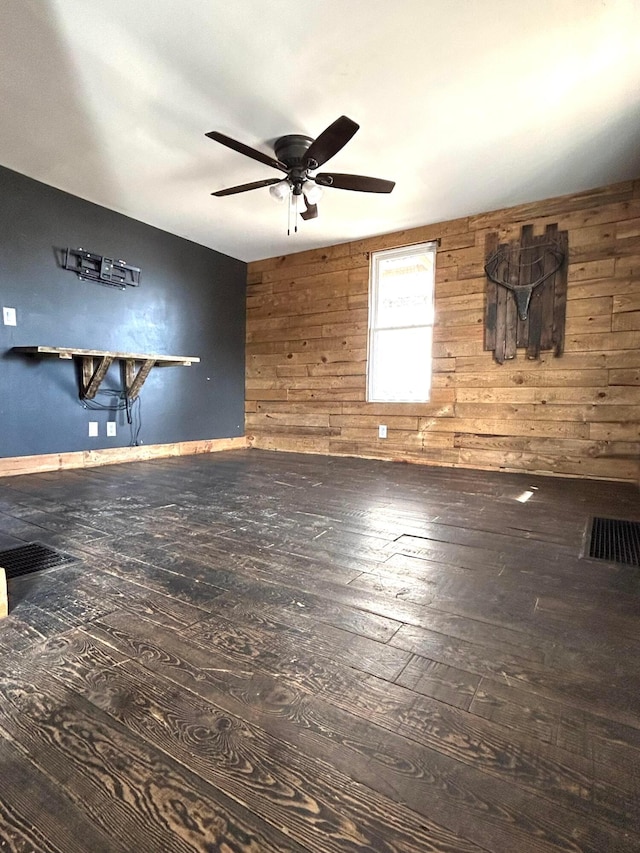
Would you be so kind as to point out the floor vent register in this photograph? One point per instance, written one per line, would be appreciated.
(615, 540)
(34, 557)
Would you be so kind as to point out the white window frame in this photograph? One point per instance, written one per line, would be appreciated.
(374, 327)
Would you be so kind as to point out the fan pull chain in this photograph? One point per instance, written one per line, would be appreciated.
(292, 208)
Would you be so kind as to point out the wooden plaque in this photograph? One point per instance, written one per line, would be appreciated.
(531, 264)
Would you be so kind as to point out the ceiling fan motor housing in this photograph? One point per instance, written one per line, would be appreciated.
(292, 151)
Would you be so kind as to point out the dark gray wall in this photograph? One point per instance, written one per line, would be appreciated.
(191, 301)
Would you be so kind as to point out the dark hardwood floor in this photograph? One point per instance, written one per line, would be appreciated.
(275, 652)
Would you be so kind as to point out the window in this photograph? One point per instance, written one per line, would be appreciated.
(401, 317)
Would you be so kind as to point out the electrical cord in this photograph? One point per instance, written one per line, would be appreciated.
(96, 405)
(135, 414)
(120, 402)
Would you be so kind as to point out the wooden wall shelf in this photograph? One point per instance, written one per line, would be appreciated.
(93, 374)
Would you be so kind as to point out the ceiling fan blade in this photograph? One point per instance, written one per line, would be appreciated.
(331, 140)
(243, 188)
(246, 150)
(311, 211)
(359, 183)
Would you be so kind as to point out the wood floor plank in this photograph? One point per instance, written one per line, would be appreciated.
(237, 757)
(296, 608)
(229, 680)
(358, 760)
(573, 728)
(260, 637)
(35, 815)
(126, 789)
(447, 683)
(548, 772)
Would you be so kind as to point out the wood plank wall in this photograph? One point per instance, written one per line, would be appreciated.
(578, 415)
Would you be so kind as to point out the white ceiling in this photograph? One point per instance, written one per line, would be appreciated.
(469, 105)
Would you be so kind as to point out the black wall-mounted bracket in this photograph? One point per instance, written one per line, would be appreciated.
(91, 267)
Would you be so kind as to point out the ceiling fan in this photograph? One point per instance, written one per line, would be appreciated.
(298, 156)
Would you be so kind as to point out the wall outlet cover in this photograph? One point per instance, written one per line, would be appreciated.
(9, 316)
(93, 429)
(111, 428)
(382, 431)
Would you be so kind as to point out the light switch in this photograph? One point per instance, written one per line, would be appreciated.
(93, 429)
(9, 316)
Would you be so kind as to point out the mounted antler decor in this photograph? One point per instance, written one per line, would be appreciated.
(526, 293)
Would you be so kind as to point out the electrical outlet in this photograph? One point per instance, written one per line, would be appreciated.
(111, 428)
(93, 429)
(382, 431)
(9, 316)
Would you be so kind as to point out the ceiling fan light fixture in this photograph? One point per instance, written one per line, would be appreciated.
(281, 190)
(312, 192)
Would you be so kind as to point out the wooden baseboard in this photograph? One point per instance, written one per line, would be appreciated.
(408, 458)
(4, 606)
(14, 465)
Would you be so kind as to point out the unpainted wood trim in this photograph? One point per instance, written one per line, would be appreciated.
(90, 388)
(135, 384)
(65, 352)
(15, 465)
(254, 441)
(4, 605)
